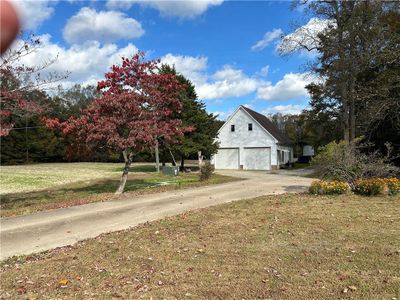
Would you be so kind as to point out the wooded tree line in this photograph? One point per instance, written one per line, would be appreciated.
(356, 93)
(27, 137)
(358, 67)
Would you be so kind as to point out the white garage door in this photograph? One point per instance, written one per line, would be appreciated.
(257, 159)
(227, 159)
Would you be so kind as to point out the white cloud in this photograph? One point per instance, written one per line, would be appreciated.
(224, 83)
(264, 71)
(248, 105)
(291, 86)
(268, 38)
(221, 115)
(180, 9)
(87, 63)
(290, 109)
(102, 26)
(191, 67)
(305, 36)
(33, 13)
(228, 82)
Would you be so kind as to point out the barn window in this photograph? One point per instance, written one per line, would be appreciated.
(232, 128)
(250, 126)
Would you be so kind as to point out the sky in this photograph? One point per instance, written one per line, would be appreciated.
(228, 49)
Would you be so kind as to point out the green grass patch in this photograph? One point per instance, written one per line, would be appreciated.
(35, 177)
(298, 165)
(274, 247)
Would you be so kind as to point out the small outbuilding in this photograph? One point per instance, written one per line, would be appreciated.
(308, 150)
(250, 141)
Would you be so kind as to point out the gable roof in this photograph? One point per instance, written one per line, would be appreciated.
(268, 126)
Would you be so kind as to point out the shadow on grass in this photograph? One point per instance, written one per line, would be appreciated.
(152, 168)
(296, 189)
(138, 168)
(105, 186)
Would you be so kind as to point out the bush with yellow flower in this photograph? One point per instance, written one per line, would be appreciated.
(322, 187)
(365, 187)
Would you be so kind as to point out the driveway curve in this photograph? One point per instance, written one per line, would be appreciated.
(60, 227)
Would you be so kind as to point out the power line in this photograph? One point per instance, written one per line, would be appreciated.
(28, 127)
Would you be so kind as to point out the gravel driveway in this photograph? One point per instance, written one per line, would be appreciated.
(60, 227)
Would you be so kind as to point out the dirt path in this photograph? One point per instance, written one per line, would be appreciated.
(60, 227)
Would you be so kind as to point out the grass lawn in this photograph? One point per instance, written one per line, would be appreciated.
(35, 177)
(274, 247)
(298, 165)
(41, 187)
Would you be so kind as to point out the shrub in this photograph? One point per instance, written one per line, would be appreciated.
(350, 162)
(322, 187)
(370, 187)
(206, 170)
(393, 185)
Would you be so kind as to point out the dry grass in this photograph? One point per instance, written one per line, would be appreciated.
(275, 247)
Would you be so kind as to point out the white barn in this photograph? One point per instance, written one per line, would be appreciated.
(250, 141)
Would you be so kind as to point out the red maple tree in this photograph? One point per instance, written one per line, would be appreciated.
(136, 107)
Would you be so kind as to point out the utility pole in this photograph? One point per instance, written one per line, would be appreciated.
(26, 140)
(157, 156)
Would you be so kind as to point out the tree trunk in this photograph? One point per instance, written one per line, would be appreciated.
(344, 95)
(352, 121)
(200, 159)
(172, 157)
(182, 164)
(352, 104)
(124, 177)
(157, 157)
(346, 127)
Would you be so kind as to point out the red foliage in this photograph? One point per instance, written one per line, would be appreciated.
(136, 106)
(12, 101)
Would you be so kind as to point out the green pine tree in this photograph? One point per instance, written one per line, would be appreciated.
(193, 114)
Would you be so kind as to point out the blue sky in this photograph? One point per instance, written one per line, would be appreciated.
(227, 49)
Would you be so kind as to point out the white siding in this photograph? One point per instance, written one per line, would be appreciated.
(287, 154)
(308, 150)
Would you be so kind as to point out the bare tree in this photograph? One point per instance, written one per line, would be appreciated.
(17, 79)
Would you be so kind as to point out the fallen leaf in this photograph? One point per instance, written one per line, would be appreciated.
(63, 282)
(21, 290)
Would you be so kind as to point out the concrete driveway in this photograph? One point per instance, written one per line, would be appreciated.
(65, 226)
